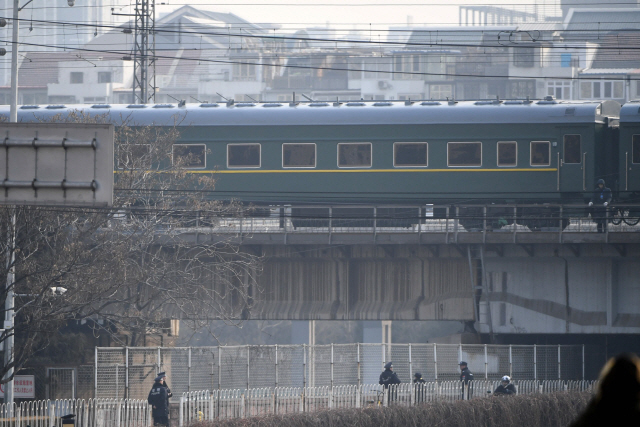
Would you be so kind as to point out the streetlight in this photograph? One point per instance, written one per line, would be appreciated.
(13, 118)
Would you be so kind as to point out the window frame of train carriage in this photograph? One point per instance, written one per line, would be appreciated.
(502, 164)
(537, 165)
(397, 145)
(299, 144)
(341, 166)
(147, 165)
(203, 147)
(248, 166)
(635, 149)
(449, 146)
(564, 150)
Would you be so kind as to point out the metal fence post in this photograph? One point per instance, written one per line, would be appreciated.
(510, 361)
(582, 362)
(219, 370)
(384, 355)
(182, 403)
(276, 365)
(446, 224)
(535, 363)
(559, 377)
(332, 366)
(330, 226)
(358, 362)
(410, 364)
(304, 365)
(484, 224)
(126, 372)
(455, 225)
(95, 374)
(435, 361)
(248, 366)
(159, 362)
(486, 363)
(375, 224)
(189, 371)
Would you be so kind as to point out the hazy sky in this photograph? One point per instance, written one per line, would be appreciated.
(344, 14)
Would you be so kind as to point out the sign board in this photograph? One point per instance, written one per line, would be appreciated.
(23, 387)
(56, 164)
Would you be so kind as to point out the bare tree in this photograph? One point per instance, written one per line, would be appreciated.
(125, 269)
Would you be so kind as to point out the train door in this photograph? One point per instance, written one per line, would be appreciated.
(631, 174)
(572, 164)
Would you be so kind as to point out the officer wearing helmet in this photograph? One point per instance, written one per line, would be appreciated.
(505, 387)
(601, 199)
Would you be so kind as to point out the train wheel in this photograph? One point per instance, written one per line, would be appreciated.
(631, 217)
(616, 219)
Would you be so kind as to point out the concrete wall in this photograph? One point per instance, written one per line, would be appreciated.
(595, 292)
(590, 288)
(364, 283)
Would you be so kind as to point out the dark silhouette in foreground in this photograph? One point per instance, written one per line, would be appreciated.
(617, 401)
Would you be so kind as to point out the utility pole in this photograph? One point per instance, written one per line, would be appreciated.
(143, 49)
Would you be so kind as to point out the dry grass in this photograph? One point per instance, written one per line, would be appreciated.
(536, 410)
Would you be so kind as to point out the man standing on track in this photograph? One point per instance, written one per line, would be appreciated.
(601, 198)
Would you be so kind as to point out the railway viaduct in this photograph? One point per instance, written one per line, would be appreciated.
(508, 282)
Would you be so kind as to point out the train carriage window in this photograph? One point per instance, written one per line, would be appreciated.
(540, 153)
(243, 155)
(635, 149)
(572, 151)
(410, 154)
(190, 156)
(507, 153)
(298, 155)
(464, 154)
(134, 156)
(354, 155)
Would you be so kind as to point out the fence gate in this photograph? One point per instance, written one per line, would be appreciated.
(61, 383)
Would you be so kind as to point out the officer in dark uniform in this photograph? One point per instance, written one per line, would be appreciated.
(601, 198)
(418, 387)
(466, 379)
(505, 386)
(159, 401)
(387, 378)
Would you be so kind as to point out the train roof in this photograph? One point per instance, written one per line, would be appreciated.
(336, 113)
(630, 112)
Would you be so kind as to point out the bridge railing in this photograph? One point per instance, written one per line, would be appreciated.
(373, 219)
(225, 404)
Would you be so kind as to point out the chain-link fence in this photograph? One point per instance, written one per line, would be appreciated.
(129, 372)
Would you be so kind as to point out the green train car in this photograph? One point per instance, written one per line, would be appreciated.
(398, 153)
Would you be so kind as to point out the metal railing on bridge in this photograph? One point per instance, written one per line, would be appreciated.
(423, 219)
(242, 403)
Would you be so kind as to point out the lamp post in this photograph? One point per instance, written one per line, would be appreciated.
(10, 300)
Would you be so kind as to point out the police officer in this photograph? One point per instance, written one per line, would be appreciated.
(159, 401)
(601, 198)
(387, 378)
(466, 380)
(419, 388)
(505, 386)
